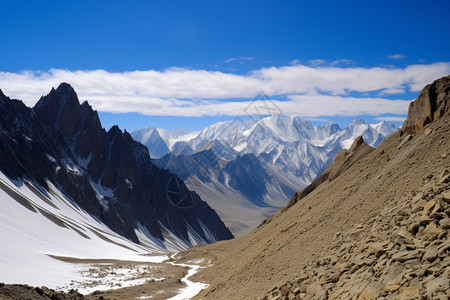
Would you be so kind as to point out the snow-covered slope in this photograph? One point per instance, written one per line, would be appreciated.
(263, 161)
(36, 224)
(70, 188)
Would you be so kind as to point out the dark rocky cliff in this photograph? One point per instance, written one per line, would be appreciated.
(108, 174)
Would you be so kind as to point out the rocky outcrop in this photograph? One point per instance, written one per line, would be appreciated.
(21, 291)
(404, 253)
(107, 174)
(433, 102)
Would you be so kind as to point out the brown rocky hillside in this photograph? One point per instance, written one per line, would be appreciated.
(378, 229)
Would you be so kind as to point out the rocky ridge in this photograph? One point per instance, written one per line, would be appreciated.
(105, 173)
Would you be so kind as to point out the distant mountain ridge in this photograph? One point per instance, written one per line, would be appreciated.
(236, 134)
(107, 174)
(254, 167)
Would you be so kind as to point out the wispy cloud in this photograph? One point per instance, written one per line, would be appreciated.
(239, 58)
(342, 62)
(307, 91)
(392, 91)
(317, 62)
(396, 56)
(391, 119)
(323, 62)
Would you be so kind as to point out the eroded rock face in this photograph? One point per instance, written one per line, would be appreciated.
(433, 102)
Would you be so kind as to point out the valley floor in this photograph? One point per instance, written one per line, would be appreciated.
(115, 279)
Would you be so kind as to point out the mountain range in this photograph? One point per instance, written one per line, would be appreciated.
(374, 225)
(247, 170)
(57, 155)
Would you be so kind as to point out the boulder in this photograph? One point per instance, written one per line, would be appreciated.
(411, 292)
(371, 292)
(445, 223)
(431, 253)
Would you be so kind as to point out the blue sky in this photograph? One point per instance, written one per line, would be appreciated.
(187, 64)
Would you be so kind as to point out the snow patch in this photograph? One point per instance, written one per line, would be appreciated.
(51, 158)
(128, 182)
(70, 166)
(102, 277)
(101, 193)
(84, 162)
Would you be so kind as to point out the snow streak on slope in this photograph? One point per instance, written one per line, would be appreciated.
(35, 225)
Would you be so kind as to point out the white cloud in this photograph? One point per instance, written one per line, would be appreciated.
(392, 119)
(319, 120)
(298, 105)
(317, 62)
(323, 62)
(396, 56)
(392, 91)
(239, 58)
(342, 62)
(183, 92)
(314, 106)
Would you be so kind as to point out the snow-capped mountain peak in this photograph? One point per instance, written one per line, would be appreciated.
(384, 127)
(260, 136)
(286, 151)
